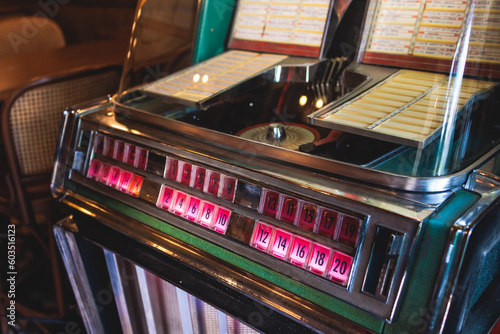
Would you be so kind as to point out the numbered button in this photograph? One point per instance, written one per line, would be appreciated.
(104, 173)
(270, 203)
(327, 226)
(318, 261)
(130, 154)
(307, 218)
(125, 180)
(98, 143)
(213, 183)
(261, 238)
(119, 151)
(300, 251)
(199, 179)
(114, 176)
(180, 203)
(289, 209)
(281, 244)
(94, 167)
(171, 169)
(135, 185)
(207, 214)
(193, 208)
(222, 220)
(108, 147)
(228, 188)
(340, 268)
(141, 158)
(349, 230)
(166, 197)
(186, 174)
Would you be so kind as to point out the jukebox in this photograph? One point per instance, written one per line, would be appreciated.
(320, 166)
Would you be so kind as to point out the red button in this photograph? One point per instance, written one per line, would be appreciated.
(289, 210)
(98, 143)
(271, 202)
(129, 154)
(141, 158)
(114, 177)
(307, 218)
(186, 174)
(166, 197)
(193, 208)
(300, 251)
(119, 151)
(281, 244)
(213, 183)
(108, 147)
(261, 238)
(199, 180)
(328, 223)
(125, 180)
(171, 170)
(340, 268)
(228, 188)
(180, 203)
(94, 167)
(320, 256)
(104, 173)
(207, 214)
(222, 220)
(349, 230)
(135, 185)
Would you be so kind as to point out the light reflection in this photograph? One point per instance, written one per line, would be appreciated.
(303, 100)
(204, 79)
(196, 77)
(319, 103)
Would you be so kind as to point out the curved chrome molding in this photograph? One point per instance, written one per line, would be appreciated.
(243, 146)
(488, 186)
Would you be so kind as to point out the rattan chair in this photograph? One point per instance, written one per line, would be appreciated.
(24, 34)
(31, 121)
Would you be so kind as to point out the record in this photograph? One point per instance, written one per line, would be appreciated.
(285, 135)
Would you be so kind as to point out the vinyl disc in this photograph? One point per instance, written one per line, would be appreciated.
(296, 135)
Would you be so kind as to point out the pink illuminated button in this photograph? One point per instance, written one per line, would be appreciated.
(207, 214)
(270, 205)
(119, 151)
(281, 244)
(98, 143)
(289, 209)
(94, 167)
(186, 174)
(181, 203)
(104, 173)
(299, 251)
(261, 238)
(213, 183)
(199, 179)
(340, 268)
(141, 158)
(228, 188)
(114, 176)
(108, 147)
(171, 169)
(125, 180)
(193, 208)
(135, 185)
(222, 220)
(349, 230)
(319, 259)
(328, 223)
(307, 218)
(166, 197)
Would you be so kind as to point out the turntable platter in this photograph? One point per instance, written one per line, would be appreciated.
(289, 135)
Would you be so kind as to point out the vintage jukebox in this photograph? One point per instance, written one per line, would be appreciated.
(319, 167)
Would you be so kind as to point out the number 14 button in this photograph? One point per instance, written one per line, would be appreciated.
(302, 252)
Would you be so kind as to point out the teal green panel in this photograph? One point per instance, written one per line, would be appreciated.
(213, 26)
(411, 317)
(306, 292)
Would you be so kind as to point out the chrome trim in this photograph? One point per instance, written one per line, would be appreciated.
(185, 312)
(62, 153)
(222, 320)
(146, 300)
(77, 276)
(119, 294)
(488, 186)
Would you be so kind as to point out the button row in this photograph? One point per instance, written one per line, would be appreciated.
(115, 177)
(194, 209)
(302, 252)
(200, 178)
(121, 151)
(311, 217)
